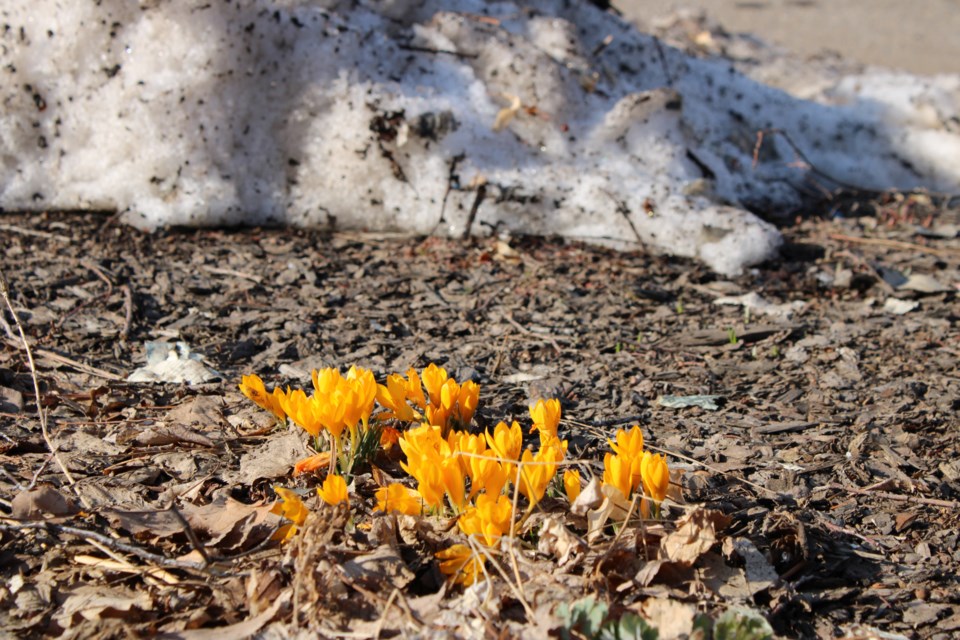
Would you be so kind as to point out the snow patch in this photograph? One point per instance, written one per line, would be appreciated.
(379, 115)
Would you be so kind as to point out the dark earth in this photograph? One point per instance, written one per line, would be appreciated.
(830, 464)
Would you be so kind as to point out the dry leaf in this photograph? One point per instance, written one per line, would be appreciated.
(725, 581)
(671, 618)
(382, 569)
(614, 506)
(199, 410)
(98, 602)
(760, 575)
(558, 541)
(696, 533)
(272, 459)
(238, 631)
(41, 502)
(162, 435)
(263, 589)
(590, 497)
(505, 115)
(225, 524)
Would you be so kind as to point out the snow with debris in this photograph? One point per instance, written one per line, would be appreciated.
(379, 116)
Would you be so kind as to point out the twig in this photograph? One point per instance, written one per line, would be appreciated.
(896, 244)
(152, 575)
(5, 292)
(230, 272)
(934, 502)
(624, 211)
(107, 541)
(522, 329)
(35, 234)
(477, 201)
(663, 61)
(191, 535)
(516, 588)
(127, 313)
(36, 475)
(99, 272)
(416, 49)
(383, 616)
(79, 366)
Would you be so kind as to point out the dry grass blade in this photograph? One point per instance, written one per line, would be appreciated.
(5, 292)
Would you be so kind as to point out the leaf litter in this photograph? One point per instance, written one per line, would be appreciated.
(819, 498)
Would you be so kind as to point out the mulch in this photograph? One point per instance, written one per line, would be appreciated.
(832, 455)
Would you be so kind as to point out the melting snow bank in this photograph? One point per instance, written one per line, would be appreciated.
(427, 116)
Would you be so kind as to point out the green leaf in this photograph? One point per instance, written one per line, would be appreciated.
(584, 616)
(742, 624)
(629, 627)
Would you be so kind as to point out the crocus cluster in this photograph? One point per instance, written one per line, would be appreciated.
(630, 468)
(446, 404)
(338, 404)
(472, 475)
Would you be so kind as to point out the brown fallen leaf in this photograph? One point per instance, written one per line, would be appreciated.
(238, 631)
(161, 435)
(96, 602)
(263, 588)
(225, 524)
(381, 569)
(759, 573)
(42, 502)
(614, 506)
(508, 113)
(273, 459)
(671, 618)
(590, 497)
(558, 541)
(198, 410)
(696, 533)
(11, 400)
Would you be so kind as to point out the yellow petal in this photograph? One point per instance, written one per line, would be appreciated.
(571, 484)
(334, 490)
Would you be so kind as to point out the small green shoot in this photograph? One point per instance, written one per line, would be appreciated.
(732, 335)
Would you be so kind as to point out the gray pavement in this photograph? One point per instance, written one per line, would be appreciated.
(922, 36)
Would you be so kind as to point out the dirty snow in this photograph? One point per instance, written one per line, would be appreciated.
(379, 115)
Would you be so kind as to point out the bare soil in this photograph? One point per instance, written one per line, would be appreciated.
(831, 465)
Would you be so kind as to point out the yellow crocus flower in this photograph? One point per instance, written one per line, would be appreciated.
(506, 443)
(393, 396)
(400, 499)
(629, 444)
(616, 473)
(415, 389)
(656, 476)
(546, 417)
(433, 379)
(489, 520)
(452, 476)
(292, 508)
(467, 401)
(364, 387)
(252, 387)
(334, 490)
(571, 484)
(301, 411)
(325, 381)
(459, 560)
